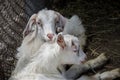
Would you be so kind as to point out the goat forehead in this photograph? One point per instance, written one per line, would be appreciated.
(48, 15)
(70, 38)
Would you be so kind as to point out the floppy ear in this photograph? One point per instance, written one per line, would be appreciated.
(29, 25)
(60, 41)
(34, 34)
(62, 22)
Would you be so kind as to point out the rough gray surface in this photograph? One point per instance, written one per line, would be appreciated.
(12, 22)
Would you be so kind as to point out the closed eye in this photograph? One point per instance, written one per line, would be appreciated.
(78, 53)
(75, 50)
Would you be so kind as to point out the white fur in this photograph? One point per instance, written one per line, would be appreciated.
(75, 27)
(48, 58)
(36, 34)
(50, 20)
(27, 50)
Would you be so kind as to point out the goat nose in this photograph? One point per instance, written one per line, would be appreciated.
(50, 36)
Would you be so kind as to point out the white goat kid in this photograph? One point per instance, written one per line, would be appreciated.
(64, 50)
(74, 27)
(45, 24)
(41, 27)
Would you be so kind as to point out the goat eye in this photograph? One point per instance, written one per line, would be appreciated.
(57, 22)
(75, 49)
(73, 43)
(78, 53)
(40, 24)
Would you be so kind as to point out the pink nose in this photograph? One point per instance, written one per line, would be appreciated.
(50, 36)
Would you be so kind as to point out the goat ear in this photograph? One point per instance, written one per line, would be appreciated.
(29, 25)
(62, 22)
(60, 41)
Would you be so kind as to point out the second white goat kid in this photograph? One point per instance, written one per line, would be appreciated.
(64, 50)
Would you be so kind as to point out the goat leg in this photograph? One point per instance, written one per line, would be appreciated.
(76, 70)
(108, 75)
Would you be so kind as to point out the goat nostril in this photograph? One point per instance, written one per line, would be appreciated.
(50, 36)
